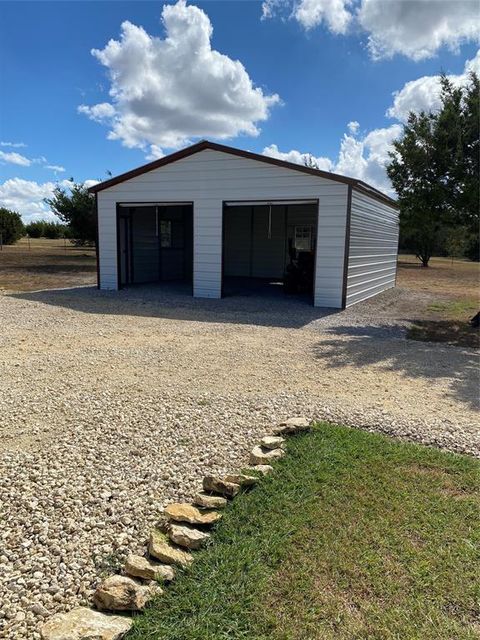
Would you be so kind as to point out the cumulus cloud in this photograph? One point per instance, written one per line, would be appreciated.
(298, 157)
(102, 112)
(311, 13)
(334, 13)
(164, 92)
(423, 94)
(363, 158)
(27, 197)
(155, 153)
(12, 157)
(418, 29)
(55, 167)
(413, 28)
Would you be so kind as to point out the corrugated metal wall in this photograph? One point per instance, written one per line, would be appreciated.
(372, 263)
(207, 179)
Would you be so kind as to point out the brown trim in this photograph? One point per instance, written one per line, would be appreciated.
(315, 254)
(117, 229)
(214, 146)
(222, 284)
(347, 247)
(97, 242)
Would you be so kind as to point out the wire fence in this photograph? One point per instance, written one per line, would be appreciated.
(44, 245)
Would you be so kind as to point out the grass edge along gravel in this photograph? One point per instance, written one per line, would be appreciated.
(354, 536)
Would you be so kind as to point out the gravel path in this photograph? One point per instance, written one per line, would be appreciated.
(113, 404)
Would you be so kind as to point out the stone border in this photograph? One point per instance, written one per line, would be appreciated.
(185, 529)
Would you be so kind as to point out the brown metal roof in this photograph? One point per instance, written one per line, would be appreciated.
(206, 144)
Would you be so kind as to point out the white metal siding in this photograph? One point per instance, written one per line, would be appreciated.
(372, 263)
(210, 177)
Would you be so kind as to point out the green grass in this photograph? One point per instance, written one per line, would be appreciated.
(454, 308)
(450, 324)
(354, 536)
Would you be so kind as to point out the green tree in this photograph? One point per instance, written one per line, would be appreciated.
(458, 132)
(11, 226)
(35, 229)
(47, 229)
(76, 208)
(434, 169)
(416, 172)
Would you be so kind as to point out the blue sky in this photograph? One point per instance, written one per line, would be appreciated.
(308, 69)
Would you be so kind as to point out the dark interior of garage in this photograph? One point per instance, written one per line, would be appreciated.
(269, 248)
(155, 243)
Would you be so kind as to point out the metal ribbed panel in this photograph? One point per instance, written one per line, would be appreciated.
(372, 262)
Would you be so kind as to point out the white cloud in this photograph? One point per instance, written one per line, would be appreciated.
(12, 157)
(418, 28)
(27, 197)
(166, 91)
(365, 158)
(102, 112)
(334, 13)
(311, 13)
(297, 157)
(13, 145)
(353, 127)
(423, 94)
(362, 158)
(155, 153)
(90, 183)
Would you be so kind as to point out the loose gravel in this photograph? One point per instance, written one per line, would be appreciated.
(114, 404)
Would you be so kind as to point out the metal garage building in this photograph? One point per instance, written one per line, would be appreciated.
(210, 214)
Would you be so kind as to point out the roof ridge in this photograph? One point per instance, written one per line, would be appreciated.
(201, 145)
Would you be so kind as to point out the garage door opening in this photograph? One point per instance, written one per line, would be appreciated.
(155, 243)
(269, 248)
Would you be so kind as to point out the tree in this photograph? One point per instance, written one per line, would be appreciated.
(416, 172)
(47, 229)
(76, 208)
(459, 134)
(434, 169)
(11, 226)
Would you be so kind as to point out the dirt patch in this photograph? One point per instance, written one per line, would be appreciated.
(36, 264)
(453, 279)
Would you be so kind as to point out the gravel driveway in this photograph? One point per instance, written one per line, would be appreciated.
(113, 404)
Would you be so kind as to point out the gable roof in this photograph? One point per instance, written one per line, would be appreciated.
(214, 146)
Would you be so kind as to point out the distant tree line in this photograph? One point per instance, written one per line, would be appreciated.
(75, 208)
(47, 229)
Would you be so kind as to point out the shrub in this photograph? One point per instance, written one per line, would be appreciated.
(11, 226)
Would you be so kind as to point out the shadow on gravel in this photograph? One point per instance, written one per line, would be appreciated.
(175, 302)
(384, 345)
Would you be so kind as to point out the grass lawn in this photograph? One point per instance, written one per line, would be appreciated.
(456, 283)
(354, 536)
(451, 324)
(40, 263)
